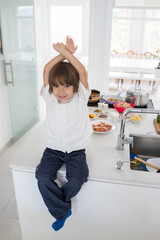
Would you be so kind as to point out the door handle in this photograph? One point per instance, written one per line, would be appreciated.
(12, 75)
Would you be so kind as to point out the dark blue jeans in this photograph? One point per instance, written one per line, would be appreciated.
(58, 200)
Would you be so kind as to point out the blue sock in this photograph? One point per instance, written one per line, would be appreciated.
(58, 224)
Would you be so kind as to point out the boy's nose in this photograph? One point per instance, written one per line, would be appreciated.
(61, 89)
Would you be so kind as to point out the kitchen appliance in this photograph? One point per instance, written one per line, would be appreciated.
(94, 96)
(137, 96)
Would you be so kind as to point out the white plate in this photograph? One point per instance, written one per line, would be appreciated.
(155, 162)
(134, 120)
(105, 121)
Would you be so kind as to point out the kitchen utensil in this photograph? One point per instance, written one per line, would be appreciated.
(94, 96)
(92, 116)
(116, 98)
(100, 106)
(147, 163)
(96, 122)
(102, 116)
(121, 109)
(137, 96)
(134, 163)
(157, 126)
(111, 99)
(136, 118)
(132, 156)
(155, 162)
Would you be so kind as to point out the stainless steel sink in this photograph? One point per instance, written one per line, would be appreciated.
(145, 146)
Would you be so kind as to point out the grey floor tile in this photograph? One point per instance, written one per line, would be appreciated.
(9, 229)
(11, 211)
(7, 191)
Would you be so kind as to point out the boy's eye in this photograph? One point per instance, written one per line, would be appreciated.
(66, 85)
(54, 86)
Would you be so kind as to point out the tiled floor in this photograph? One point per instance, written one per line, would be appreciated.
(9, 223)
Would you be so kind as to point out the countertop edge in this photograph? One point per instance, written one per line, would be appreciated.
(61, 173)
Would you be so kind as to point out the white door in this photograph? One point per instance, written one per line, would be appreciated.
(18, 45)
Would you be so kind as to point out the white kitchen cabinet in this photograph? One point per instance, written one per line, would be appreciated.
(101, 210)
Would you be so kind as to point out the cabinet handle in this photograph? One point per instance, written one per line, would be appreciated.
(12, 75)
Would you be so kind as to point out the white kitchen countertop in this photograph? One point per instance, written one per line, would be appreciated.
(101, 154)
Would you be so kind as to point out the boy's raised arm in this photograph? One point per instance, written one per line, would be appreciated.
(71, 48)
(49, 66)
(60, 47)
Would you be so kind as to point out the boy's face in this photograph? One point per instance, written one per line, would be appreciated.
(63, 92)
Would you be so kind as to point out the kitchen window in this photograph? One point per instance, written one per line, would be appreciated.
(69, 18)
(135, 27)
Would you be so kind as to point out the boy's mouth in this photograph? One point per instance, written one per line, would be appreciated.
(62, 97)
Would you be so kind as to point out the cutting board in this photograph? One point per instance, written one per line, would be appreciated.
(157, 126)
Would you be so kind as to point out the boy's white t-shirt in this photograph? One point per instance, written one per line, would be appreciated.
(68, 124)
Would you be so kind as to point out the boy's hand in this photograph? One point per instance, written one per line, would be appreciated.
(70, 45)
(59, 47)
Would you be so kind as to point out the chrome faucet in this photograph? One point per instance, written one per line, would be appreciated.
(121, 137)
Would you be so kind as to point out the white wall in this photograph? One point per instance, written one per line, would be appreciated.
(100, 38)
(40, 12)
(5, 123)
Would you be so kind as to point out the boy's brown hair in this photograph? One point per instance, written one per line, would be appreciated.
(63, 73)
